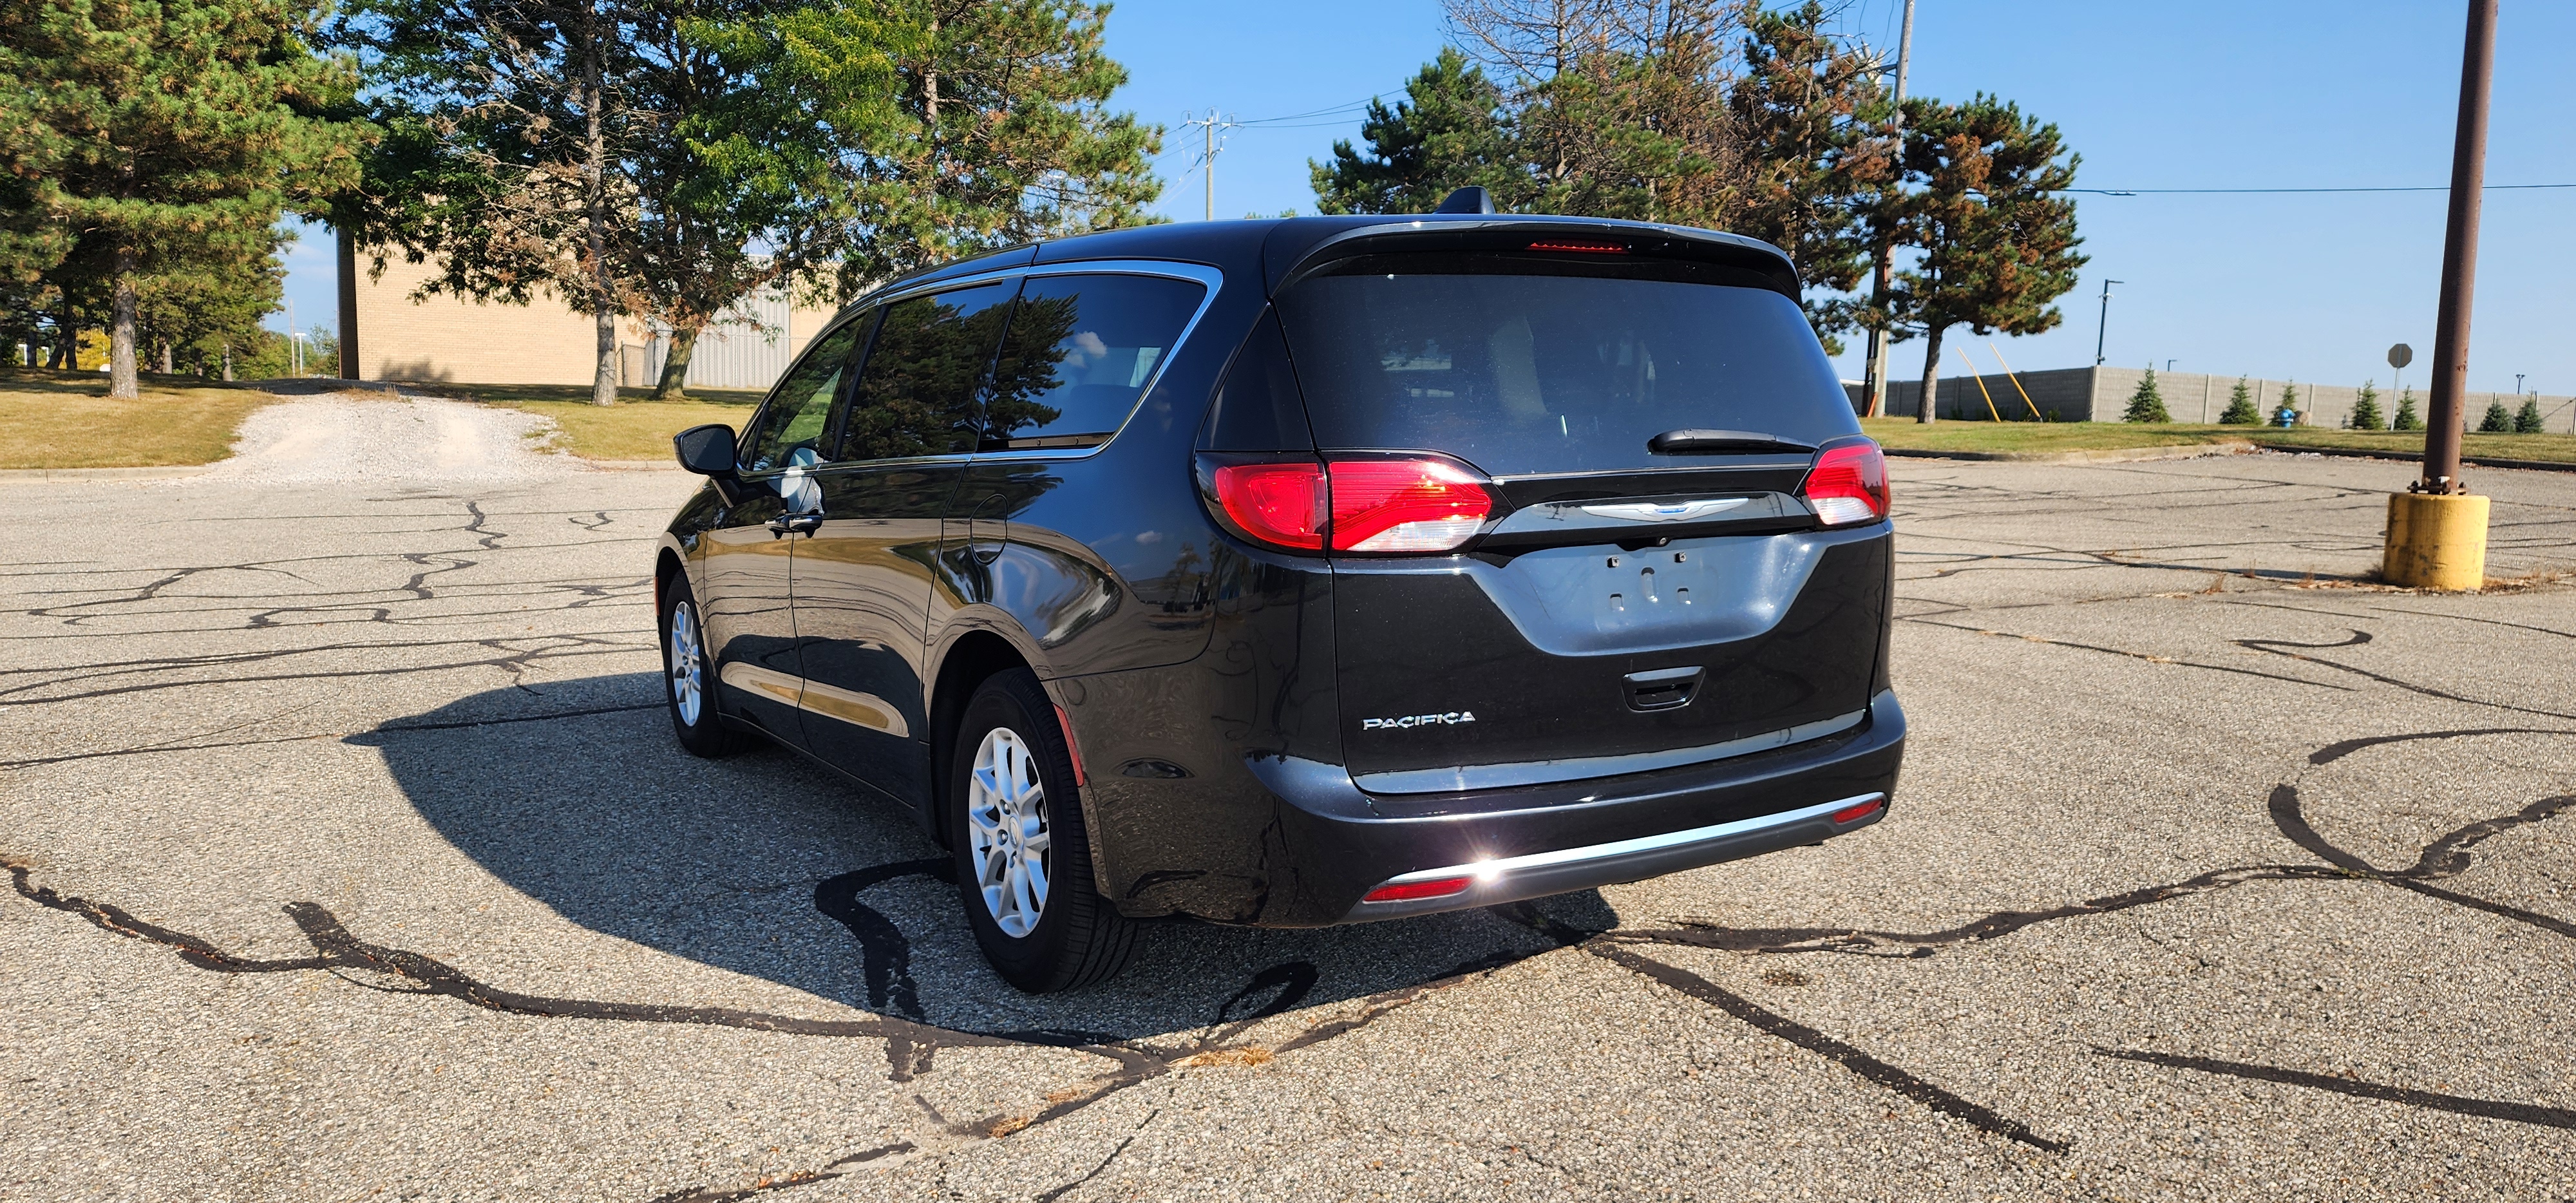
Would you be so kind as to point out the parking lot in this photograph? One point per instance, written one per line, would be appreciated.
(352, 858)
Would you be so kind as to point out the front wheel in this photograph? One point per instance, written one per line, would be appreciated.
(688, 682)
(1023, 857)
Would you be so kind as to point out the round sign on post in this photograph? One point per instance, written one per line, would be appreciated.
(2400, 355)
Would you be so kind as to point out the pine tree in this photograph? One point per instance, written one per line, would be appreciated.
(2527, 419)
(1987, 209)
(1807, 110)
(2499, 420)
(2365, 408)
(2240, 407)
(1447, 133)
(2407, 418)
(2146, 404)
(164, 133)
(2288, 409)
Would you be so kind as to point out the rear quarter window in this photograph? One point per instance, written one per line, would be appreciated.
(1080, 351)
(1520, 365)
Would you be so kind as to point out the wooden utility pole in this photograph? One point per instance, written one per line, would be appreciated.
(1212, 123)
(1874, 385)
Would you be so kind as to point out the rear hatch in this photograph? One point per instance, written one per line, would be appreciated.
(1645, 585)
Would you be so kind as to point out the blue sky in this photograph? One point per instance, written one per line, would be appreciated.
(2180, 94)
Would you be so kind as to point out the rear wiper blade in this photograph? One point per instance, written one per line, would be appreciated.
(1707, 442)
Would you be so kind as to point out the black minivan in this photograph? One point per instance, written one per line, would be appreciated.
(1305, 571)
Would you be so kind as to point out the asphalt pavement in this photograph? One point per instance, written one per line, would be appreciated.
(352, 858)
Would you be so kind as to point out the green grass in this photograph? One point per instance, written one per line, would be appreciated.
(636, 428)
(2046, 437)
(54, 419)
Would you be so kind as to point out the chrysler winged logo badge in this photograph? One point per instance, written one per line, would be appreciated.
(1666, 511)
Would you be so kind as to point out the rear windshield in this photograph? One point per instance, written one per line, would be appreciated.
(1539, 373)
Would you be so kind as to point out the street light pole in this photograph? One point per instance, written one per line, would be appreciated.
(2437, 530)
(2103, 328)
(1874, 386)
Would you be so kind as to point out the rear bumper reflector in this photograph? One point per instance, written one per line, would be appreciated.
(1859, 810)
(1411, 890)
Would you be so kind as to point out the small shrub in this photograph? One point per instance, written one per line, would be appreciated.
(2365, 408)
(2289, 406)
(2146, 404)
(2499, 420)
(2407, 418)
(2527, 419)
(2240, 407)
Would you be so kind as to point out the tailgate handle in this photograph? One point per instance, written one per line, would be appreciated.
(1664, 688)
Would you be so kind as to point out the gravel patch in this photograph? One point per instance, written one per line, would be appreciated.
(343, 438)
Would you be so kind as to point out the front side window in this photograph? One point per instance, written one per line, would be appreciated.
(916, 396)
(1080, 351)
(800, 409)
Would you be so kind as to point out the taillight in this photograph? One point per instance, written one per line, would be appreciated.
(1405, 505)
(1364, 505)
(1282, 504)
(1848, 485)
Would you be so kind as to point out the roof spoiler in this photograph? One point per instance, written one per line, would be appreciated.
(1485, 231)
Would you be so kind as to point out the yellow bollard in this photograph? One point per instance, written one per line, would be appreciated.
(2436, 542)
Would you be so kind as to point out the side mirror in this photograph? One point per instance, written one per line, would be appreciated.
(706, 450)
(709, 452)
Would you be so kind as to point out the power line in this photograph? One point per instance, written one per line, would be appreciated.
(2286, 191)
(1352, 107)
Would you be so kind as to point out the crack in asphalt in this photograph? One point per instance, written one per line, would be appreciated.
(912, 1041)
(2520, 1113)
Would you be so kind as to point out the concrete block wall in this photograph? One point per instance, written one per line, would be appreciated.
(2102, 395)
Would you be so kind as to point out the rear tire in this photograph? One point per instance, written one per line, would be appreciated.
(1024, 869)
(688, 685)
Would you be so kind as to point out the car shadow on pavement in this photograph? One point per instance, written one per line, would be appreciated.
(763, 864)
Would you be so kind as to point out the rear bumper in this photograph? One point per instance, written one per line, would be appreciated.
(1340, 842)
(1539, 874)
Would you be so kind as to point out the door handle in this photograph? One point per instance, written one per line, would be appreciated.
(794, 524)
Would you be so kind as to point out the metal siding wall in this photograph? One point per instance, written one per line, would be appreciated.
(745, 347)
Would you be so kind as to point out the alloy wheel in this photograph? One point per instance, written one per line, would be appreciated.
(688, 666)
(1006, 823)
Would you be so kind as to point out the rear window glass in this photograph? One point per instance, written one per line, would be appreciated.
(1080, 351)
(1530, 373)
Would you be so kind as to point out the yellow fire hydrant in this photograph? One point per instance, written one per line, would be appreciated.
(2436, 541)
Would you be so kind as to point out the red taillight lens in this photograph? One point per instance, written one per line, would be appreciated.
(1411, 890)
(1848, 485)
(1275, 503)
(1405, 505)
(1586, 248)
